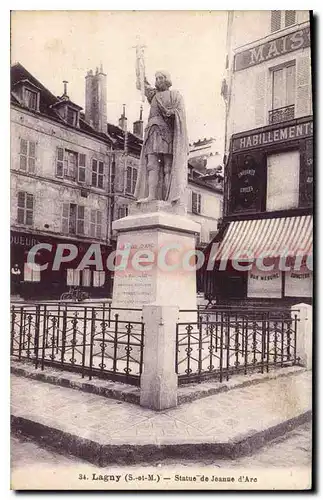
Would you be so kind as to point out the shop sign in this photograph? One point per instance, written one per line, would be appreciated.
(281, 134)
(264, 52)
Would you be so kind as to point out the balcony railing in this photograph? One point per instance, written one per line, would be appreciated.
(281, 114)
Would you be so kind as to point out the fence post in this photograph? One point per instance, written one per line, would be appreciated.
(304, 333)
(158, 387)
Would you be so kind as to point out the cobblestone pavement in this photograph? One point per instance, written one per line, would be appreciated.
(291, 450)
(219, 418)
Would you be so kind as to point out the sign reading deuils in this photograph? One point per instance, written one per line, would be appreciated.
(269, 50)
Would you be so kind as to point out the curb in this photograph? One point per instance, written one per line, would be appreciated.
(130, 393)
(105, 454)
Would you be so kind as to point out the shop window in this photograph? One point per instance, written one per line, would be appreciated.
(283, 93)
(31, 272)
(96, 224)
(299, 283)
(73, 277)
(27, 155)
(70, 164)
(73, 218)
(25, 210)
(282, 19)
(282, 181)
(196, 203)
(86, 277)
(131, 180)
(97, 173)
(98, 278)
(264, 284)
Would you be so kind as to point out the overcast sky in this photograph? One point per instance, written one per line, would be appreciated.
(63, 45)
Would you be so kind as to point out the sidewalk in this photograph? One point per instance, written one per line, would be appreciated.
(105, 431)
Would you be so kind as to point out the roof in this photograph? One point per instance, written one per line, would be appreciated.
(48, 101)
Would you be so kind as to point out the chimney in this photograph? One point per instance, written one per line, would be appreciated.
(138, 126)
(65, 96)
(123, 119)
(96, 99)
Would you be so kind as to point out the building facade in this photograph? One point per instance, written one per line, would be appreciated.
(268, 198)
(60, 184)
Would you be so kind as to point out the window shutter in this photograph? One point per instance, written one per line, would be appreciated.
(94, 172)
(260, 86)
(194, 202)
(31, 157)
(99, 224)
(101, 174)
(134, 180)
(303, 86)
(275, 20)
(29, 209)
(81, 168)
(290, 17)
(80, 219)
(128, 183)
(92, 222)
(23, 147)
(65, 216)
(59, 162)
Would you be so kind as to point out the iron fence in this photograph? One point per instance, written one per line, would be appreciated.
(95, 341)
(227, 341)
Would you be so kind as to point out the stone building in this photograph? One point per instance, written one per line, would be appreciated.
(268, 199)
(60, 176)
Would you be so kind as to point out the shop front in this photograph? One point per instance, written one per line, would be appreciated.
(264, 254)
(30, 282)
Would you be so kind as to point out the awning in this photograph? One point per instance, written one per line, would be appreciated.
(284, 236)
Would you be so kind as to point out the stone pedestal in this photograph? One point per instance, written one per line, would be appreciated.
(158, 386)
(156, 273)
(156, 257)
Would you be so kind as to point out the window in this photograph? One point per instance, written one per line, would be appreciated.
(196, 203)
(73, 277)
(27, 155)
(283, 86)
(81, 168)
(97, 173)
(31, 99)
(71, 116)
(31, 272)
(98, 278)
(25, 208)
(122, 211)
(131, 180)
(70, 164)
(299, 283)
(282, 19)
(264, 284)
(73, 218)
(282, 181)
(96, 224)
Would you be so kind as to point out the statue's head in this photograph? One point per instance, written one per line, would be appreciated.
(163, 80)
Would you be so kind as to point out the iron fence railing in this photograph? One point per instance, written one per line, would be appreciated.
(95, 341)
(281, 114)
(227, 341)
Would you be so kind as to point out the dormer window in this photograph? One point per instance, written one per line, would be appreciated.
(71, 116)
(31, 99)
(27, 94)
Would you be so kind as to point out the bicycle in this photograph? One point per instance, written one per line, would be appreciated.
(76, 294)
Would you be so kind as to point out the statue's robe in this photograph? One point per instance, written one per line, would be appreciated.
(172, 140)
